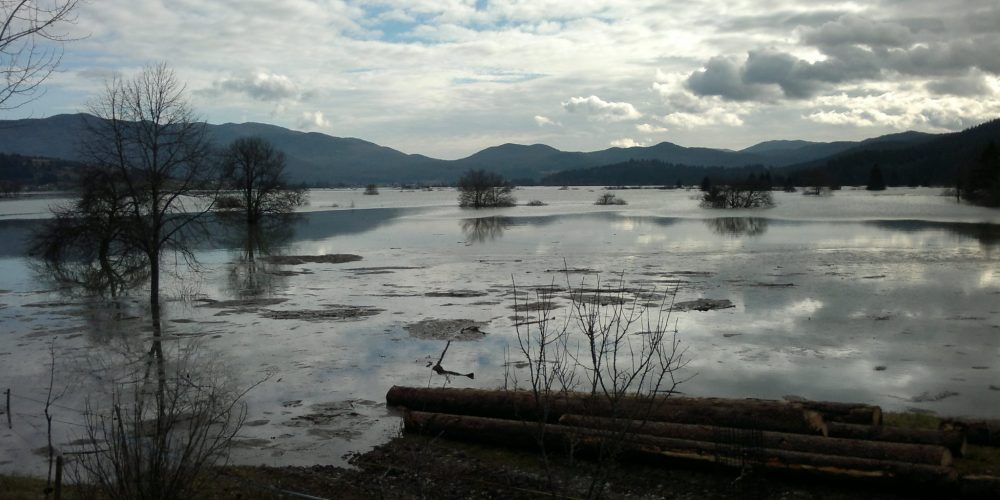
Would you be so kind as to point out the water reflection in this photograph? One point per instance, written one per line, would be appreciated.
(483, 229)
(736, 227)
(250, 276)
(988, 235)
(160, 415)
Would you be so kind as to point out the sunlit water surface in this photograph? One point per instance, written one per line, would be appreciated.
(890, 298)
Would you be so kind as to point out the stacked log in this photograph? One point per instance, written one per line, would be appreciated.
(821, 437)
(953, 440)
(521, 405)
(876, 450)
(511, 432)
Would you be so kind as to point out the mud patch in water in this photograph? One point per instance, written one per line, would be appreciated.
(446, 329)
(928, 397)
(331, 312)
(338, 419)
(703, 305)
(293, 260)
(456, 294)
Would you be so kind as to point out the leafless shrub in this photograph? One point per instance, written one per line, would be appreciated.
(738, 195)
(613, 350)
(157, 437)
(610, 199)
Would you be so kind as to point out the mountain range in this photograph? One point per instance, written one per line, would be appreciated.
(320, 159)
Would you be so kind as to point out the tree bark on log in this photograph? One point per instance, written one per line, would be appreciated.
(522, 405)
(955, 441)
(900, 452)
(554, 436)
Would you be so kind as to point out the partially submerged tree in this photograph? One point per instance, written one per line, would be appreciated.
(255, 171)
(30, 45)
(610, 199)
(479, 189)
(738, 195)
(87, 245)
(148, 138)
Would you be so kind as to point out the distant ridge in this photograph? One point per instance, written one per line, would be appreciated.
(317, 158)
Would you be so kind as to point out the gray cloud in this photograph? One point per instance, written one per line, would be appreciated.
(779, 20)
(722, 77)
(260, 85)
(856, 49)
(964, 86)
(855, 30)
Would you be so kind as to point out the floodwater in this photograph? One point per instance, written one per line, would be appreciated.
(889, 298)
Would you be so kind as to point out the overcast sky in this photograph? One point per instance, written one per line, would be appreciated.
(446, 78)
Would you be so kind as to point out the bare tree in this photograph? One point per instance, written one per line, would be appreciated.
(86, 245)
(479, 188)
(255, 170)
(616, 344)
(738, 195)
(30, 45)
(147, 135)
(159, 441)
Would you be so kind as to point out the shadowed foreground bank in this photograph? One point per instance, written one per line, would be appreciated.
(427, 467)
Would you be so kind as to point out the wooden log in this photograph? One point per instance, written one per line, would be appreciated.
(900, 452)
(522, 405)
(981, 432)
(519, 433)
(955, 441)
(848, 413)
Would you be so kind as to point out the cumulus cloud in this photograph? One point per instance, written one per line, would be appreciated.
(710, 117)
(600, 109)
(648, 128)
(852, 49)
(260, 85)
(626, 142)
(543, 121)
(313, 119)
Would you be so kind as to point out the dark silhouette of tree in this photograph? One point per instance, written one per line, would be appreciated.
(479, 188)
(30, 45)
(706, 184)
(255, 171)
(86, 245)
(738, 195)
(875, 180)
(609, 199)
(983, 178)
(149, 141)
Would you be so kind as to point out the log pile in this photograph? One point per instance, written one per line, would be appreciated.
(830, 439)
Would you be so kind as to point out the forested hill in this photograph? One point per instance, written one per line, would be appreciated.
(320, 159)
(937, 161)
(905, 159)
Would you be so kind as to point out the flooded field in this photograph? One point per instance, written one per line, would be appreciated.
(889, 298)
